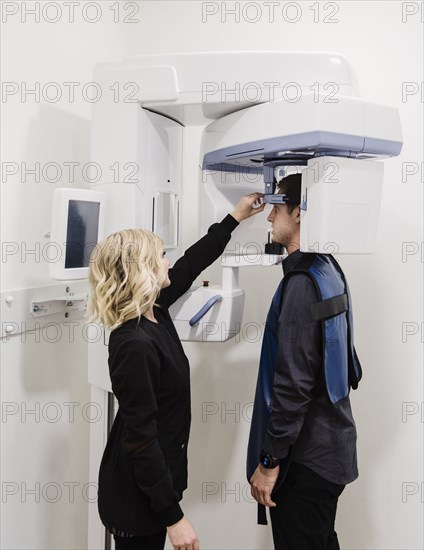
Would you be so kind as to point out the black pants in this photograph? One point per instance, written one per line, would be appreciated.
(306, 511)
(151, 542)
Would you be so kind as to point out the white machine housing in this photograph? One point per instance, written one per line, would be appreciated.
(291, 110)
(333, 143)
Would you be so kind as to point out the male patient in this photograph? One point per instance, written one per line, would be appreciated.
(302, 446)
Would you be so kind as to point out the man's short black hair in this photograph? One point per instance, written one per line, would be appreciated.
(292, 187)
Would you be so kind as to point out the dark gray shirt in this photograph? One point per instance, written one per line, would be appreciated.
(323, 436)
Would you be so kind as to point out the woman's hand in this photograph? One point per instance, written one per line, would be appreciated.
(183, 536)
(248, 206)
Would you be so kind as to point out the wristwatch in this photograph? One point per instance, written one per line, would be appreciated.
(269, 461)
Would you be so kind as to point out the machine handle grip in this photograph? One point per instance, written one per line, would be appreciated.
(202, 312)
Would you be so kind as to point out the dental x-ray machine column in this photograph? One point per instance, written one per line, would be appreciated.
(265, 114)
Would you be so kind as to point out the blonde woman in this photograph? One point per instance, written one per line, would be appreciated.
(143, 472)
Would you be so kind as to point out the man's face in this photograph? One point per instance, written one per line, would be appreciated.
(285, 226)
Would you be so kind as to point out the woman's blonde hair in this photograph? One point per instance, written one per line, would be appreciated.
(126, 275)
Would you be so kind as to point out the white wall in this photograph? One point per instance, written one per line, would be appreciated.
(385, 52)
(45, 452)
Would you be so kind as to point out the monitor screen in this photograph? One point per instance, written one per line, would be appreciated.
(82, 232)
(77, 226)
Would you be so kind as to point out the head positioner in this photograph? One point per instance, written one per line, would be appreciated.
(286, 191)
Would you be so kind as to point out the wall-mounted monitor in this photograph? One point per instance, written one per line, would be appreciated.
(77, 226)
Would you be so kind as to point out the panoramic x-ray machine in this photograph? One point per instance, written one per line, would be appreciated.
(266, 115)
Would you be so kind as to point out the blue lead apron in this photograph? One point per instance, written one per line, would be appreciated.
(341, 365)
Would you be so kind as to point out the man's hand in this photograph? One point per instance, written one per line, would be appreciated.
(248, 206)
(183, 536)
(262, 483)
